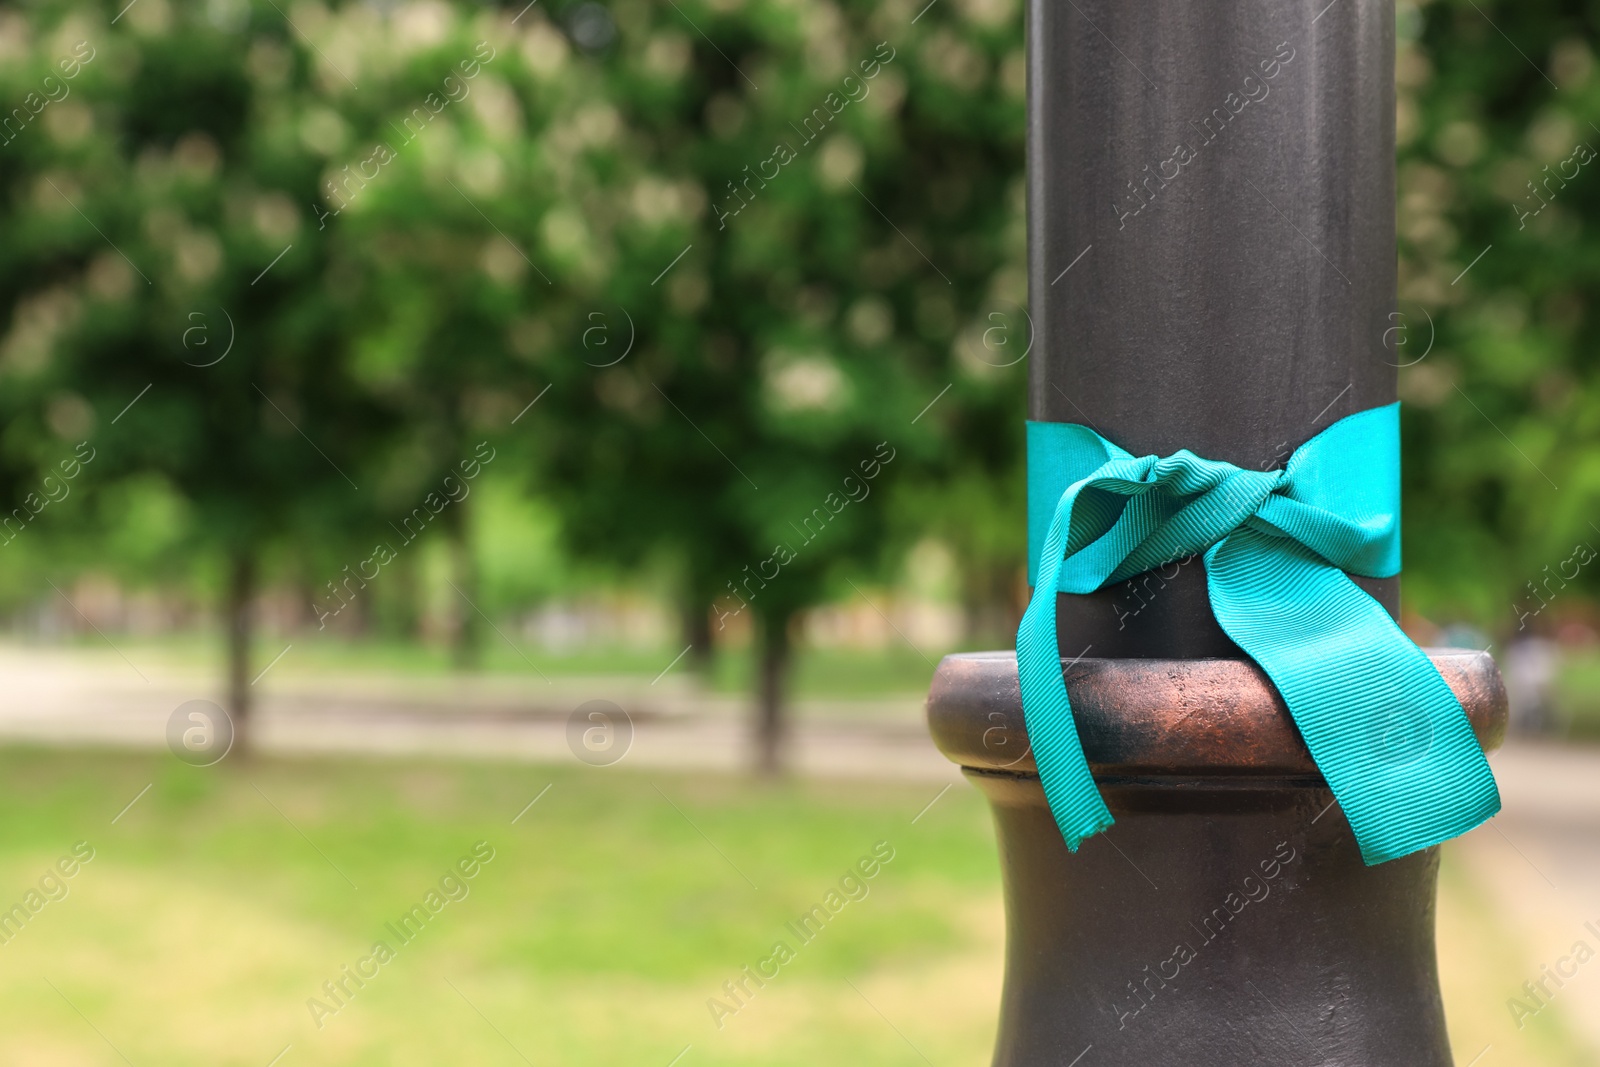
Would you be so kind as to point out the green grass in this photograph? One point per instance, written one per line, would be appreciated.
(219, 903)
(614, 908)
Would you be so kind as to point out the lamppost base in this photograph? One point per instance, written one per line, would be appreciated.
(1227, 918)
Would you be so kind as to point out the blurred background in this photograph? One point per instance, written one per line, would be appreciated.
(571, 433)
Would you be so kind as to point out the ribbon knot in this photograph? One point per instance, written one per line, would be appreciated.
(1387, 733)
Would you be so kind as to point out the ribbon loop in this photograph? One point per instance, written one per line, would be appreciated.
(1387, 733)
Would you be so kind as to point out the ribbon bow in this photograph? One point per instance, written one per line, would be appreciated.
(1387, 733)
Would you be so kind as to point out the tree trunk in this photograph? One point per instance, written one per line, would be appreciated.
(696, 617)
(988, 603)
(466, 637)
(404, 617)
(240, 621)
(772, 678)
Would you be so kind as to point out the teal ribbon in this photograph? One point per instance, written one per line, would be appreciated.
(1387, 733)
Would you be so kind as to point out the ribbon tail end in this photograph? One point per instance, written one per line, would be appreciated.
(1487, 809)
(1076, 840)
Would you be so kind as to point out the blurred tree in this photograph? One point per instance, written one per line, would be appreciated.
(1499, 197)
(444, 286)
(161, 209)
(798, 214)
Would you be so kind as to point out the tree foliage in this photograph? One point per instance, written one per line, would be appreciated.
(736, 286)
(1498, 273)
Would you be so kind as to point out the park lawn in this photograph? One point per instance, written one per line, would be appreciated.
(612, 909)
(219, 902)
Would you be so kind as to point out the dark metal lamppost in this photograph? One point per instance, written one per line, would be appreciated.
(1212, 267)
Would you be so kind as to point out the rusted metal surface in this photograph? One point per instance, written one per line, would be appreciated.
(1166, 717)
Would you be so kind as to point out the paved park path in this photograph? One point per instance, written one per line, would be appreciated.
(64, 696)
